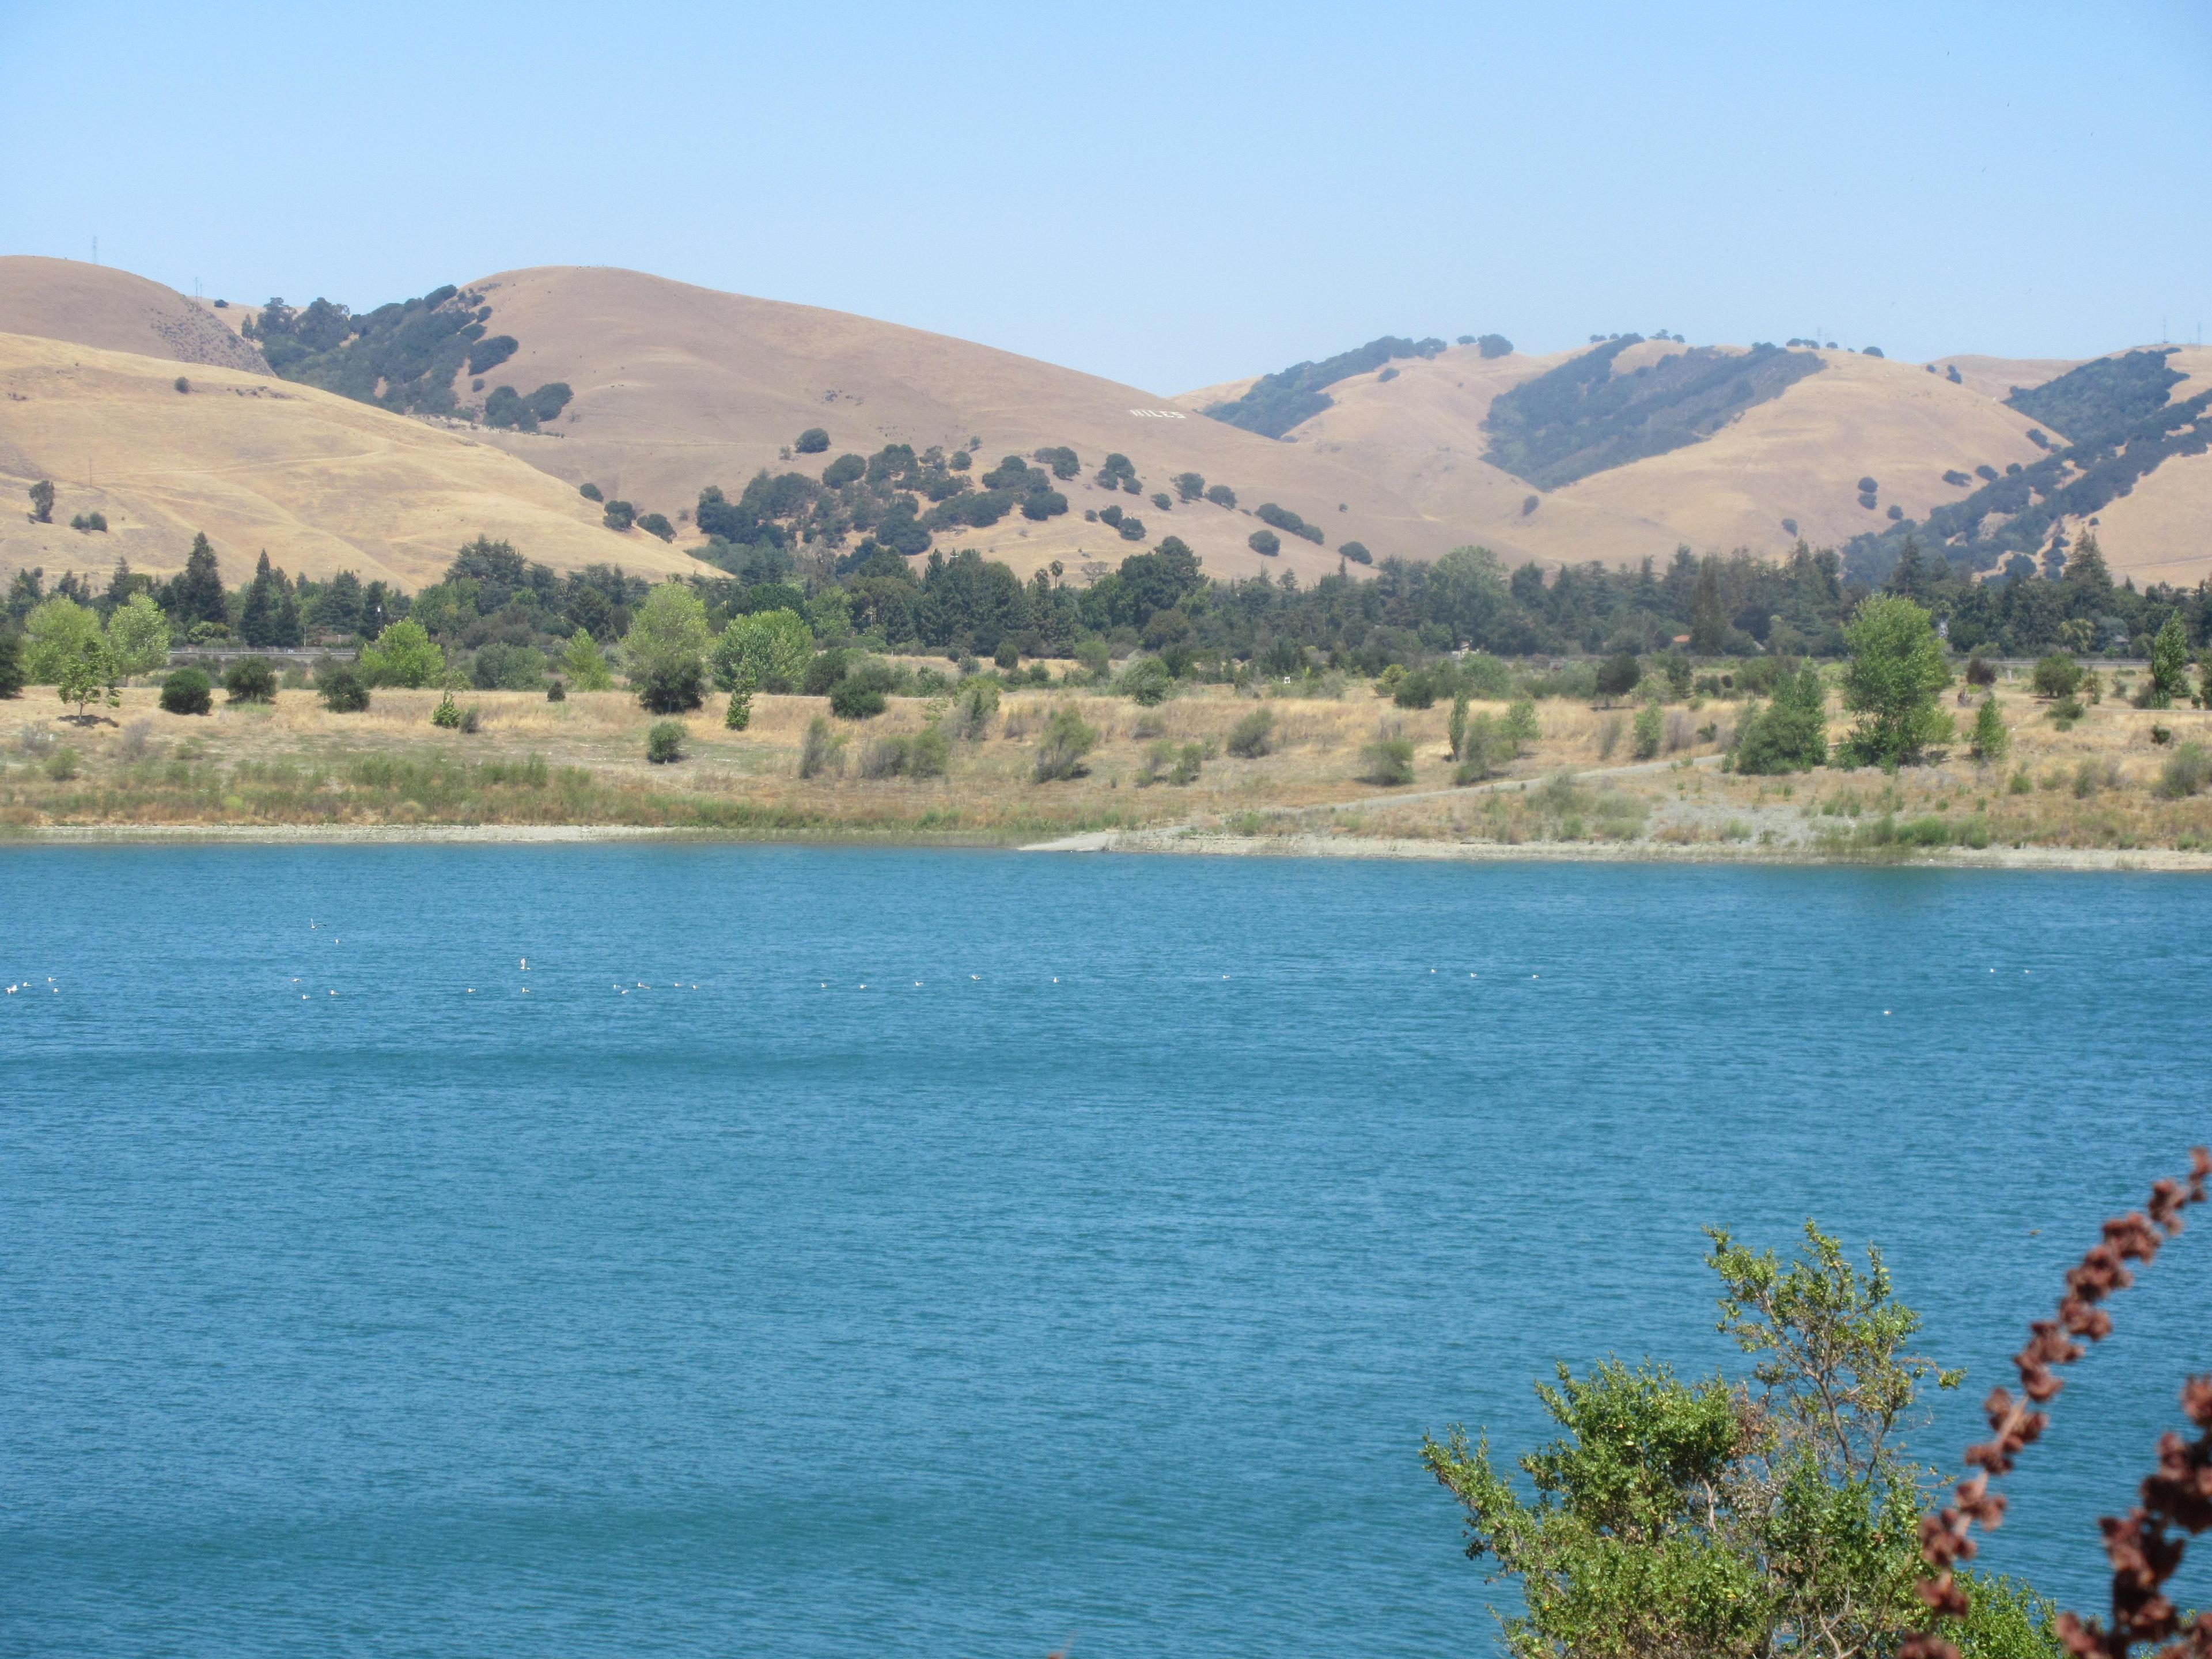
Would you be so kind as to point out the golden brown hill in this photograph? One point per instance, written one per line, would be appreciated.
(97, 306)
(678, 387)
(1798, 457)
(2161, 531)
(322, 483)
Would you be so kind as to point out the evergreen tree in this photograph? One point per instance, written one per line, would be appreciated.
(257, 617)
(1791, 733)
(1708, 623)
(120, 587)
(197, 596)
(1911, 578)
(11, 664)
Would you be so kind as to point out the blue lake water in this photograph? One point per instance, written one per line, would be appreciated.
(979, 1253)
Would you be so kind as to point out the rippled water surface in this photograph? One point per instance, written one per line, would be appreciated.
(829, 1252)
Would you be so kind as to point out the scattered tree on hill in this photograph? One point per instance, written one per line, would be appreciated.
(590, 492)
(42, 502)
(812, 441)
(620, 515)
(1494, 345)
(1266, 543)
(1221, 495)
(1189, 486)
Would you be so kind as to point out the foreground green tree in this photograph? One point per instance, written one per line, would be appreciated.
(1989, 741)
(585, 665)
(1735, 1520)
(58, 633)
(770, 647)
(139, 635)
(2169, 666)
(1896, 668)
(665, 650)
(403, 655)
(88, 672)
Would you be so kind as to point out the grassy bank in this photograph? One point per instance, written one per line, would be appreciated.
(2103, 785)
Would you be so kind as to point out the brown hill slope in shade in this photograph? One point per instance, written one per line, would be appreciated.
(96, 306)
(322, 483)
(677, 386)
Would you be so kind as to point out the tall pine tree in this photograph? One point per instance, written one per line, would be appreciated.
(197, 596)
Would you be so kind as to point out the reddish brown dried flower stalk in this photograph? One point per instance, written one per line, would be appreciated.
(2142, 1556)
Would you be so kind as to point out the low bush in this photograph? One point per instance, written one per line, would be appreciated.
(2187, 770)
(863, 692)
(2057, 676)
(822, 750)
(1147, 682)
(447, 715)
(1650, 730)
(187, 692)
(1388, 758)
(664, 744)
(924, 754)
(1067, 738)
(251, 679)
(1253, 736)
(556, 692)
(343, 689)
(812, 441)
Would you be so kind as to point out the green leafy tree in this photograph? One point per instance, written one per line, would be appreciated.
(343, 690)
(2169, 665)
(251, 679)
(2057, 675)
(665, 650)
(88, 672)
(1777, 1514)
(188, 691)
(1618, 676)
(739, 714)
(1896, 667)
(1146, 681)
(771, 647)
(585, 664)
(1648, 732)
(404, 654)
(139, 635)
(1790, 734)
(1990, 741)
(57, 631)
(664, 744)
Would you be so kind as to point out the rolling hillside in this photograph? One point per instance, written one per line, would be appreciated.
(98, 305)
(322, 483)
(666, 389)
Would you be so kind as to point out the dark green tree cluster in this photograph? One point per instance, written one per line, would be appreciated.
(402, 356)
(509, 409)
(1277, 402)
(1282, 518)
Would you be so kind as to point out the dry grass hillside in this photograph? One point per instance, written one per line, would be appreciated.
(96, 306)
(322, 483)
(678, 387)
(2161, 531)
(1799, 457)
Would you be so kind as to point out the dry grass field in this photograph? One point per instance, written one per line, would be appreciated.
(2095, 789)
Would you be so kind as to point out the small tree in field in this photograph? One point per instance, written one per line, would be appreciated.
(42, 502)
(88, 672)
(1896, 669)
(1990, 742)
(1618, 676)
(2169, 666)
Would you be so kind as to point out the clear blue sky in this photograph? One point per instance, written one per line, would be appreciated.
(1169, 195)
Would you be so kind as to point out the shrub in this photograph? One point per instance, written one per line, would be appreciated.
(1521, 728)
(863, 693)
(924, 754)
(1648, 731)
(1481, 750)
(251, 679)
(1790, 734)
(1420, 690)
(182, 384)
(1146, 681)
(342, 689)
(1253, 736)
(1957, 479)
(2187, 770)
(1619, 675)
(812, 441)
(472, 721)
(664, 744)
(447, 715)
(1980, 673)
(404, 654)
(90, 522)
(1266, 543)
(972, 710)
(670, 686)
(2057, 676)
(1067, 738)
(1530, 504)
(1388, 758)
(187, 692)
(822, 749)
(62, 764)
(556, 692)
